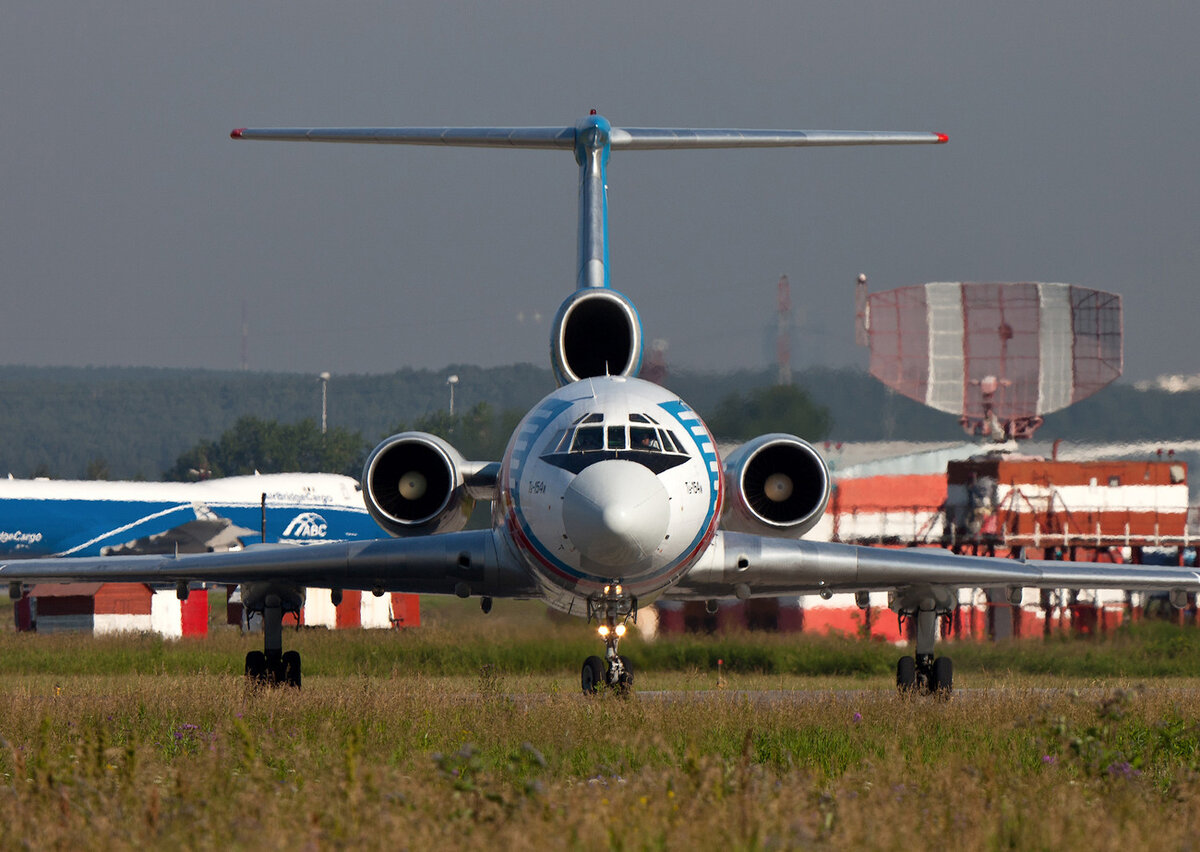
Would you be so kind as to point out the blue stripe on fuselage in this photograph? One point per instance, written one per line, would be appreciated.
(687, 421)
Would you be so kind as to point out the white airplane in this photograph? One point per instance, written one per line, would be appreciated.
(610, 493)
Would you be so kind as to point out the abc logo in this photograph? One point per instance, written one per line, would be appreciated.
(306, 525)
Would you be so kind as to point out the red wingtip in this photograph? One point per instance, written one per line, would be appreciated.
(942, 137)
(237, 134)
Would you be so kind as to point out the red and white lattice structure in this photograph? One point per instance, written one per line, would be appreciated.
(1000, 356)
(1036, 503)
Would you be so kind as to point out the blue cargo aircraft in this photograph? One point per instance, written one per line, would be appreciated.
(52, 518)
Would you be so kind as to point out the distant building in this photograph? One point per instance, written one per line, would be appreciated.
(1177, 383)
(357, 609)
(105, 608)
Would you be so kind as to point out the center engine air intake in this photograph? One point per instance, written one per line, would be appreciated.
(413, 485)
(775, 485)
(596, 333)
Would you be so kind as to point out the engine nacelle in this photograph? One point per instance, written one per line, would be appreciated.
(596, 332)
(775, 485)
(413, 485)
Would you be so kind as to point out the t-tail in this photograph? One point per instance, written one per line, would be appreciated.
(597, 330)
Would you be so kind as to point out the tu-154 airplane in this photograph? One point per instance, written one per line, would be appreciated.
(610, 493)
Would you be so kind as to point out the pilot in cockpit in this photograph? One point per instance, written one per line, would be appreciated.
(644, 439)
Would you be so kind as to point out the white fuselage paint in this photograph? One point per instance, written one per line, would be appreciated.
(663, 522)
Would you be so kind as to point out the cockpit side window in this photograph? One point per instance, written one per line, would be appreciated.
(560, 441)
(644, 438)
(673, 441)
(616, 437)
(588, 438)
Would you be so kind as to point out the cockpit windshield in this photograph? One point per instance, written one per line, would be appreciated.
(588, 438)
(638, 437)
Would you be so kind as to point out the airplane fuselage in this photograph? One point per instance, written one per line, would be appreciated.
(608, 483)
(88, 518)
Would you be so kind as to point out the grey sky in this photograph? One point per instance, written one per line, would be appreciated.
(133, 228)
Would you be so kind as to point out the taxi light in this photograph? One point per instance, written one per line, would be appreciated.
(618, 590)
(603, 629)
(620, 629)
(607, 589)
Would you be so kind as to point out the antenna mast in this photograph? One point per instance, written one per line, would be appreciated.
(783, 334)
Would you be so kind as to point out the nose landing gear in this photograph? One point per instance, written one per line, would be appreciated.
(614, 671)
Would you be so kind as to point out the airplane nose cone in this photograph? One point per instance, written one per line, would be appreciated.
(616, 513)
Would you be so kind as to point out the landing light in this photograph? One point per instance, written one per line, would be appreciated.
(603, 629)
(620, 630)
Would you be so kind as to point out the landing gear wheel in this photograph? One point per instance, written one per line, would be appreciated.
(942, 681)
(290, 668)
(256, 666)
(592, 677)
(906, 674)
(625, 679)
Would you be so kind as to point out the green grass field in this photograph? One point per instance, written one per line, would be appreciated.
(470, 730)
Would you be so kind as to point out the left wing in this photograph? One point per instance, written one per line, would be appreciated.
(744, 565)
(434, 564)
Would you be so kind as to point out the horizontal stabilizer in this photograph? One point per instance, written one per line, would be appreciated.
(630, 138)
(463, 137)
(646, 139)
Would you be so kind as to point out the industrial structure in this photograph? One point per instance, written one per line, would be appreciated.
(999, 357)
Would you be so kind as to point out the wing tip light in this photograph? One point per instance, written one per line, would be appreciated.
(237, 134)
(942, 138)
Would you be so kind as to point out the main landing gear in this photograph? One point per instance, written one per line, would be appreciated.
(925, 674)
(272, 666)
(612, 610)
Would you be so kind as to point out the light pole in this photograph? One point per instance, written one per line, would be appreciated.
(452, 381)
(324, 377)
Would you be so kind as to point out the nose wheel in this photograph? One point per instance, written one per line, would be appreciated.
(614, 673)
(593, 676)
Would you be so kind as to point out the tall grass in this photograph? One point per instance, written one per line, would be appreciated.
(450, 735)
(204, 761)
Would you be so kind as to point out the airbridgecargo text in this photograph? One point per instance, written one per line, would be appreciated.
(20, 537)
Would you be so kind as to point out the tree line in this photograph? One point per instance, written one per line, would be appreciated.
(480, 432)
(131, 423)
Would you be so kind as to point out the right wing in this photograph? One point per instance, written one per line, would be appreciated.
(745, 565)
(433, 564)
